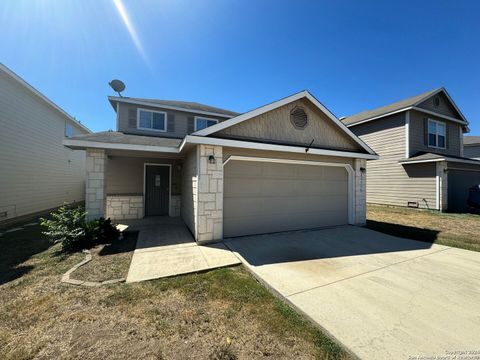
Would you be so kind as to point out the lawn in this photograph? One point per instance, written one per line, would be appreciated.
(221, 314)
(458, 230)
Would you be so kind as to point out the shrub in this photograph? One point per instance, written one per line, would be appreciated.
(69, 226)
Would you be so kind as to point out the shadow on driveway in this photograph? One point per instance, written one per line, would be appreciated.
(319, 244)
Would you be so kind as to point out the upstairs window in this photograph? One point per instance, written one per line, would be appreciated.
(436, 134)
(69, 130)
(202, 123)
(151, 120)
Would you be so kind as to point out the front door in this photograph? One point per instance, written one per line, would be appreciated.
(157, 190)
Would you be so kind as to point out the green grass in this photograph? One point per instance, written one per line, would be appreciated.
(221, 314)
(457, 230)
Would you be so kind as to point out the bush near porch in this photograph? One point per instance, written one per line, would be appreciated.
(457, 230)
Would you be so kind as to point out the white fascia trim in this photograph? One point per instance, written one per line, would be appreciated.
(446, 158)
(261, 110)
(146, 103)
(102, 145)
(407, 134)
(30, 88)
(348, 168)
(272, 147)
(410, 108)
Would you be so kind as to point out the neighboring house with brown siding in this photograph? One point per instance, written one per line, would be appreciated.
(37, 172)
(287, 165)
(471, 147)
(420, 144)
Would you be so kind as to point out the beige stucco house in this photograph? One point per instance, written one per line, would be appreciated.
(471, 147)
(287, 165)
(420, 144)
(37, 173)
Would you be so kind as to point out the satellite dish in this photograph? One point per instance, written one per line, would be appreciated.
(117, 86)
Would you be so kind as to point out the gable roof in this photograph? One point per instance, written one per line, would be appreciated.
(402, 105)
(269, 107)
(188, 106)
(471, 140)
(37, 93)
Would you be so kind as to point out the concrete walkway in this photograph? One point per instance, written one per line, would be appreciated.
(165, 248)
(382, 297)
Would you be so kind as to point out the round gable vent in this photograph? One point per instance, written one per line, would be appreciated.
(299, 118)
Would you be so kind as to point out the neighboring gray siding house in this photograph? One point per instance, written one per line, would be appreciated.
(420, 144)
(37, 172)
(227, 174)
(471, 147)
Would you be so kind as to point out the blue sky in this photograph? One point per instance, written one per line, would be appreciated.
(237, 54)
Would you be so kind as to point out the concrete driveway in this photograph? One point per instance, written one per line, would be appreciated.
(382, 297)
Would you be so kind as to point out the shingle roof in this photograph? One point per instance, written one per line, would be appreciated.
(115, 137)
(423, 156)
(471, 140)
(364, 115)
(186, 105)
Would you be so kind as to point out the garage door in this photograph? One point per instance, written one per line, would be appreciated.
(264, 197)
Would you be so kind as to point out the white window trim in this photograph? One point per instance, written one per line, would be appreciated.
(205, 118)
(153, 111)
(436, 134)
(348, 168)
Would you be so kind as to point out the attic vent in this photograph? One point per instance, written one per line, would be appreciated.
(299, 118)
(436, 101)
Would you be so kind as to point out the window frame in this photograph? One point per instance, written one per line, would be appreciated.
(67, 127)
(203, 118)
(152, 111)
(436, 134)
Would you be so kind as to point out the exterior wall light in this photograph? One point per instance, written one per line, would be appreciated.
(211, 159)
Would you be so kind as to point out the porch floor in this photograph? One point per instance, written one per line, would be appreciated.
(165, 248)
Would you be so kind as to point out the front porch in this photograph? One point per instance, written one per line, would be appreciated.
(165, 247)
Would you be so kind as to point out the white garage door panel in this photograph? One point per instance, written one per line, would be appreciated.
(262, 197)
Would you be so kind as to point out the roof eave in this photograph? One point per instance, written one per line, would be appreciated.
(114, 99)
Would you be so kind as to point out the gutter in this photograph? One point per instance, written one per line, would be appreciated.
(200, 140)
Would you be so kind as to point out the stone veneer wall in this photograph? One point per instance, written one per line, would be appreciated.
(175, 205)
(124, 207)
(96, 162)
(210, 194)
(360, 192)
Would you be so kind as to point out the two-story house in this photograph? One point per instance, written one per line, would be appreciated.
(420, 144)
(288, 165)
(37, 173)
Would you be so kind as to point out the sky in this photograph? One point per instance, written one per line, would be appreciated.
(240, 54)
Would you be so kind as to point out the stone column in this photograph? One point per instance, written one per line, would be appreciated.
(360, 207)
(95, 183)
(442, 186)
(210, 194)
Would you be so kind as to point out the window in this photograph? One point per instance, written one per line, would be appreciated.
(69, 130)
(151, 120)
(436, 134)
(202, 123)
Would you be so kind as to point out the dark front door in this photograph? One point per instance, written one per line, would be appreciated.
(157, 189)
